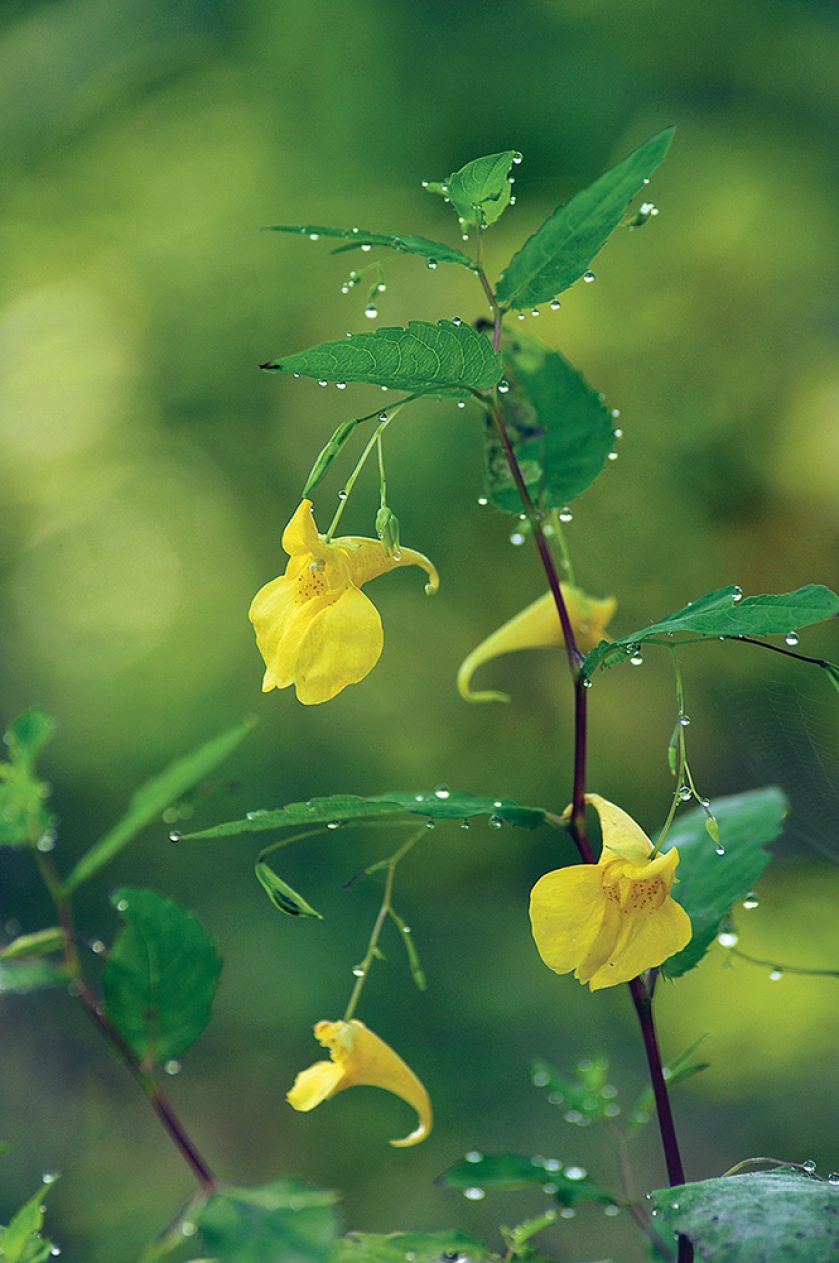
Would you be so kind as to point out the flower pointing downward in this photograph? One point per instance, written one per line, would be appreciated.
(611, 920)
(359, 1058)
(314, 626)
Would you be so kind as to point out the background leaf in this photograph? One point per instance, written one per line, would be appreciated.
(710, 884)
(149, 802)
(720, 613)
(344, 808)
(762, 1217)
(420, 1247)
(405, 243)
(160, 975)
(561, 430)
(515, 1170)
(39, 943)
(24, 816)
(445, 359)
(21, 1241)
(561, 250)
(27, 735)
(18, 977)
(285, 1221)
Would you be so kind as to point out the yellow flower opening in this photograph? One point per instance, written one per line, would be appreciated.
(538, 627)
(358, 1059)
(314, 626)
(611, 920)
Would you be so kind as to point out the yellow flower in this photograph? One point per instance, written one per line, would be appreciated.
(611, 920)
(359, 1058)
(538, 627)
(314, 626)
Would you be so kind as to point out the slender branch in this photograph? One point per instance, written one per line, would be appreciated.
(788, 653)
(784, 969)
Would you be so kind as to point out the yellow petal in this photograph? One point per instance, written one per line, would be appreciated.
(647, 939)
(341, 644)
(368, 558)
(362, 1059)
(301, 534)
(314, 1084)
(567, 913)
(538, 627)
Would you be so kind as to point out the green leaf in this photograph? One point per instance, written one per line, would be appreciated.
(152, 799)
(347, 808)
(327, 455)
(447, 359)
(21, 1241)
(285, 1221)
(419, 1247)
(515, 1170)
(561, 250)
(41, 943)
(590, 1094)
(723, 612)
(437, 251)
(18, 977)
(160, 975)
(27, 735)
(560, 429)
(776, 1216)
(480, 190)
(710, 884)
(678, 1071)
(282, 895)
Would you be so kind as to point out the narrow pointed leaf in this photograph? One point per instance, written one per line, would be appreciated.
(21, 1241)
(446, 359)
(282, 895)
(710, 884)
(149, 802)
(40, 943)
(561, 430)
(723, 613)
(561, 250)
(160, 975)
(405, 243)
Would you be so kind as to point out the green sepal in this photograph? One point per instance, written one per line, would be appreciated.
(327, 455)
(282, 895)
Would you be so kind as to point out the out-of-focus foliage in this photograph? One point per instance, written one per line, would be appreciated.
(147, 469)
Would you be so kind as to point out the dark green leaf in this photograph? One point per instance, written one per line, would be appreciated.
(327, 455)
(480, 190)
(560, 429)
(515, 1170)
(21, 1241)
(282, 1222)
(282, 895)
(723, 613)
(561, 250)
(776, 1216)
(17, 977)
(41, 943)
(344, 808)
(27, 735)
(445, 359)
(419, 1247)
(160, 975)
(155, 796)
(406, 243)
(709, 884)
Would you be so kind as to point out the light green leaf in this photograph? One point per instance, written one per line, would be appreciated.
(346, 808)
(438, 251)
(41, 943)
(710, 884)
(679, 1070)
(560, 429)
(21, 1241)
(285, 1221)
(327, 455)
(23, 813)
(480, 190)
(419, 1247)
(723, 613)
(447, 359)
(149, 802)
(561, 250)
(18, 977)
(160, 975)
(776, 1216)
(27, 735)
(588, 1094)
(282, 895)
(515, 1170)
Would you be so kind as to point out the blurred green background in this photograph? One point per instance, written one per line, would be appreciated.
(147, 469)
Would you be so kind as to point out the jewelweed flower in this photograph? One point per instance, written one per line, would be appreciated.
(611, 920)
(314, 626)
(358, 1058)
(538, 627)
